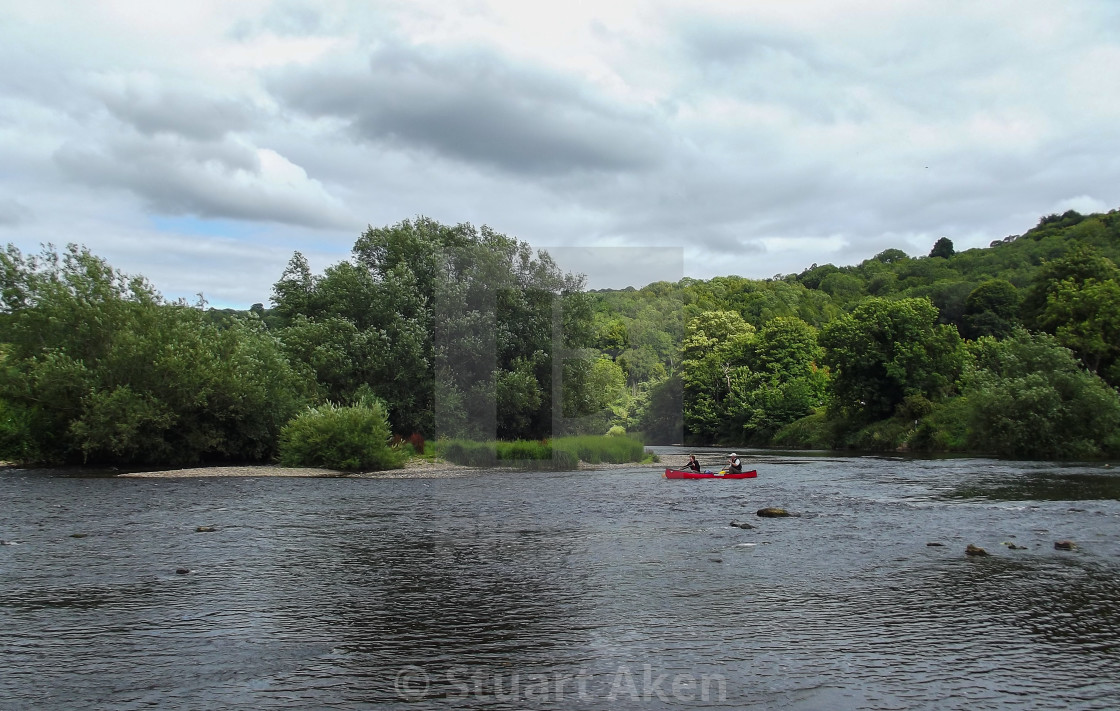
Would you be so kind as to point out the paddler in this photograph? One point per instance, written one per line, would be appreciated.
(734, 466)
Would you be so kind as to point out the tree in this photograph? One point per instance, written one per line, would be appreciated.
(445, 324)
(885, 350)
(991, 309)
(781, 383)
(1030, 398)
(662, 420)
(293, 294)
(1077, 299)
(715, 345)
(1077, 266)
(942, 248)
(98, 369)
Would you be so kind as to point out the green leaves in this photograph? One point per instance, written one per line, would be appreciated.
(1030, 398)
(346, 438)
(98, 369)
(885, 350)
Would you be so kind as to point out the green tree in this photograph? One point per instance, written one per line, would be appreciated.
(991, 309)
(782, 383)
(942, 248)
(445, 324)
(1030, 398)
(885, 350)
(99, 369)
(715, 345)
(662, 420)
(1077, 299)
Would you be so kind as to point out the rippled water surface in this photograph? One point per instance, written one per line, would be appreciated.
(613, 589)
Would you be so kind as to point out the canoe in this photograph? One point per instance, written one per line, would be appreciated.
(689, 474)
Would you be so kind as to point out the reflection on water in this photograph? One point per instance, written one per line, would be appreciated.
(1046, 486)
(613, 589)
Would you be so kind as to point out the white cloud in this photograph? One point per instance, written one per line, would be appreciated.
(174, 176)
(756, 137)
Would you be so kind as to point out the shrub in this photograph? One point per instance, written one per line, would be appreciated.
(347, 438)
(945, 429)
(810, 432)
(882, 436)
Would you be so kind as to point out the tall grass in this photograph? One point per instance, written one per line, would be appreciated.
(558, 453)
(596, 449)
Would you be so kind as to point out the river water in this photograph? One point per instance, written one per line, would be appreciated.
(593, 590)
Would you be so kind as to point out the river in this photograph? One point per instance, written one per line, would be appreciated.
(612, 589)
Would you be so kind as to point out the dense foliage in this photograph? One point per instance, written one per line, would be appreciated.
(1013, 349)
(880, 355)
(452, 326)
(98, 369)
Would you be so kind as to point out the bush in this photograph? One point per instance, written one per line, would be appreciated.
(883, 436)
(348, 438)
(945, 429)
(810, 432)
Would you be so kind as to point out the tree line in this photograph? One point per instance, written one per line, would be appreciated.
(1013, 349)
(457, 331)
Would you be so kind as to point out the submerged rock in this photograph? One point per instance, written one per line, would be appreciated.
(78, 535)
(182, 571)
(975, 550)
(1065, 546)
(773, 512)
(205, 529)
(939, 545)
(1012, 546)
(741, 524)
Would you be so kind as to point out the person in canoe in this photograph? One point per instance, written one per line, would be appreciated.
(692, 463)
(734, 464)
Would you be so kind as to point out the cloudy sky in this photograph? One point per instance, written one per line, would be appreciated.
(201, 143)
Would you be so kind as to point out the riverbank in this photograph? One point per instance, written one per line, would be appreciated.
(414, 469)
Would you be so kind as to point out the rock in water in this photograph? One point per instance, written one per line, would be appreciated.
(1065, 545)
(975, 550)
(931, 545)
(772, 512)
(741, 524)
(205, 529)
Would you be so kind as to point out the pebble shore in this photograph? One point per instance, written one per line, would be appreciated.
(414, 469)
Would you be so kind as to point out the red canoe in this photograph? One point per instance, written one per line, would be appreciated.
(689, 474)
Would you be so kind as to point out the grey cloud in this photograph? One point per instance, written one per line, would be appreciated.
(13, 212)
(213, 180)
(479, 108)
(155, 110)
